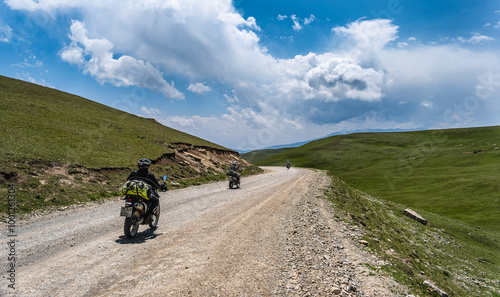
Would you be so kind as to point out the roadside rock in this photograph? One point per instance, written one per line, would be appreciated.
(414, 216)
(436, 289)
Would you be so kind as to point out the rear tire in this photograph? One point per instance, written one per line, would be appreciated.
(131, 225)
(155, 217)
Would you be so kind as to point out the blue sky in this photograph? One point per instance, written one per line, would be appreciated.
(249, 74)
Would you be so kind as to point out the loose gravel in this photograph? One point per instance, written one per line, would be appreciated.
(276, 236)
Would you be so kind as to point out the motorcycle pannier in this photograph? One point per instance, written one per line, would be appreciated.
(137, 188)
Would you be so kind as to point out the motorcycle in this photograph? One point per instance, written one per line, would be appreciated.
(288, 166)
(137, 205)
(234, 178)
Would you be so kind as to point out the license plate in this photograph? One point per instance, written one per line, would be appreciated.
(126, 212)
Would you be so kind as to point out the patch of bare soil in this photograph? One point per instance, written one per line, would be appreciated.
(275, 236)
(201, 158)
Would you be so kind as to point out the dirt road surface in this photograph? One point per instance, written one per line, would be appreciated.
(275, 236)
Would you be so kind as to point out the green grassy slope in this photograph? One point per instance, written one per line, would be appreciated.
(59, 149)
(39, 123)
(262, 154)
(375, 176)
(459, 258)
(436, 171)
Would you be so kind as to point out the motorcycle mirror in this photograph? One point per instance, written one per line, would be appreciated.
(165, 177)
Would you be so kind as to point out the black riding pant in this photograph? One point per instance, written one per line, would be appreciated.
(155, 199)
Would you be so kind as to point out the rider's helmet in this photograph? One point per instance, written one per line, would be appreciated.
(235, 163)
(144, 163)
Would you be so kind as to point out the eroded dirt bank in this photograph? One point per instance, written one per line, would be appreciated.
(273, 237)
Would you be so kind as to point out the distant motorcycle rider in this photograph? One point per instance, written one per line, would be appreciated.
(236, 168)
(288, 165)
(144, 174)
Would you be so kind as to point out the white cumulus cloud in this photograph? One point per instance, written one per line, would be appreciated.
(334, 80)
(369, 34)
(96, 58)
(476, 39)
(296, 23)
(190, 38)
(151, 112)
(199, 88)
(309, 20)
(360, 84)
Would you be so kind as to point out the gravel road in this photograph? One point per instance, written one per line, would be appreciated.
(273, 237)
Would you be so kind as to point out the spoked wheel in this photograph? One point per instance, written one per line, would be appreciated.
(230, 184)
(155, 217)
(132, 225)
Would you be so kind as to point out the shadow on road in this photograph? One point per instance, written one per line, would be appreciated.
(141, 237)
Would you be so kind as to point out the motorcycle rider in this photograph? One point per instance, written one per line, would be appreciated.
(144, 174)
(234, 166)
(236, 169)
(288, 164)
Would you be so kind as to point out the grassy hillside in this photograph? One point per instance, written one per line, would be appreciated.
(450, 177)
(458, 258)
(40, 123)
(449, 172)
(59, 149)
(254, 156)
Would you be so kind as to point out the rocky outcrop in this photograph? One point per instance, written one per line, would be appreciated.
(52, 184)
(200, 158)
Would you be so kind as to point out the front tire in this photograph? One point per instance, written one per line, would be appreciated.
(155, 217)
(131, 225)
(230, 184)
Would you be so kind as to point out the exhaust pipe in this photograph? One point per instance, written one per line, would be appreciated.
(141, 207)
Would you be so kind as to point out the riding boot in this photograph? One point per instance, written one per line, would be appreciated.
(154, 202)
